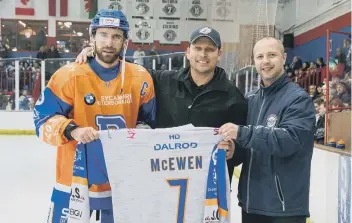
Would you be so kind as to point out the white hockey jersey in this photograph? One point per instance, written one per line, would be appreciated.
(160, 176)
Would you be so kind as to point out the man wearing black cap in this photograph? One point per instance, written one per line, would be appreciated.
(199, 94)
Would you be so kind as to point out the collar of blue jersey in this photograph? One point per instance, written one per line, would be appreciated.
(93, 60)
(276, 86)
(217, 83)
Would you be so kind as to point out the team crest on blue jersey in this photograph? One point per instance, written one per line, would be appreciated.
(89, 99)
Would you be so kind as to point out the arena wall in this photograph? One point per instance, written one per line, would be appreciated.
(330, 193)
(308, 21)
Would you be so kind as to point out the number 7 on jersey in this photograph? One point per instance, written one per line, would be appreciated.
(182, 185)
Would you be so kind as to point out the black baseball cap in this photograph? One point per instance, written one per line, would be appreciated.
(206, 31)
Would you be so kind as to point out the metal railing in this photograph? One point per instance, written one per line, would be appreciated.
(327, 76)
(24, 79)
(246, 79)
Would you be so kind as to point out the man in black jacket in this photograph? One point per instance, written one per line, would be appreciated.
(200, 94)
(277, 143)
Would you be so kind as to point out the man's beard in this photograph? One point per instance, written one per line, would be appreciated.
(107, 58)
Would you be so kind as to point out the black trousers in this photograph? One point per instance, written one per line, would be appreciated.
(256, 218)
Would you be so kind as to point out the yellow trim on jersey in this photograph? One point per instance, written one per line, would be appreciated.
(211, 202)
(80, 180)
(223, 212)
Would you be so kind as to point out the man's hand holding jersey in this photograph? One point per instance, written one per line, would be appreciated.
(85, 135)
(229, 131)
(229, 146)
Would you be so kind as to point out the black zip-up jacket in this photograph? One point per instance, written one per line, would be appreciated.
(278, 146)
(218, 103)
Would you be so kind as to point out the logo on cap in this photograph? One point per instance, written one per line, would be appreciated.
(103, 21)
(205, 30)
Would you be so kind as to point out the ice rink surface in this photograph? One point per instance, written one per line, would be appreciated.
(27, 170)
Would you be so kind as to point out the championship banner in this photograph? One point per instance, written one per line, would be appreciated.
(143, 30)
(197, 10)
(143, 8)
(169, 31)
(169, 9)
(223, 10)
(113, 4)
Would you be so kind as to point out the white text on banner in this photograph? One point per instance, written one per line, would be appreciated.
(143, 30)
(169, 31)
(143, 8)
(223, 10)
(197, 9)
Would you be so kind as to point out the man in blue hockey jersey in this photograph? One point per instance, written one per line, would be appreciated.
(81, 100)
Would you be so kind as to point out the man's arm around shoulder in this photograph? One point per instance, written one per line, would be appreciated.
(160, 75)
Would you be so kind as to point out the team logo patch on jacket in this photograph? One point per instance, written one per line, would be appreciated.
(271, 121)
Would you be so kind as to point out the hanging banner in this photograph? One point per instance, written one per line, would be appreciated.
(143, 8)
(169, 31)
(197, 10)
(52, 7)
(170, 9)
(24, 7)
(113, 4)
(90, 9)
(142, 30)
(223, 10)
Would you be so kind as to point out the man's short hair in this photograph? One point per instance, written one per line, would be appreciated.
(281, 45)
